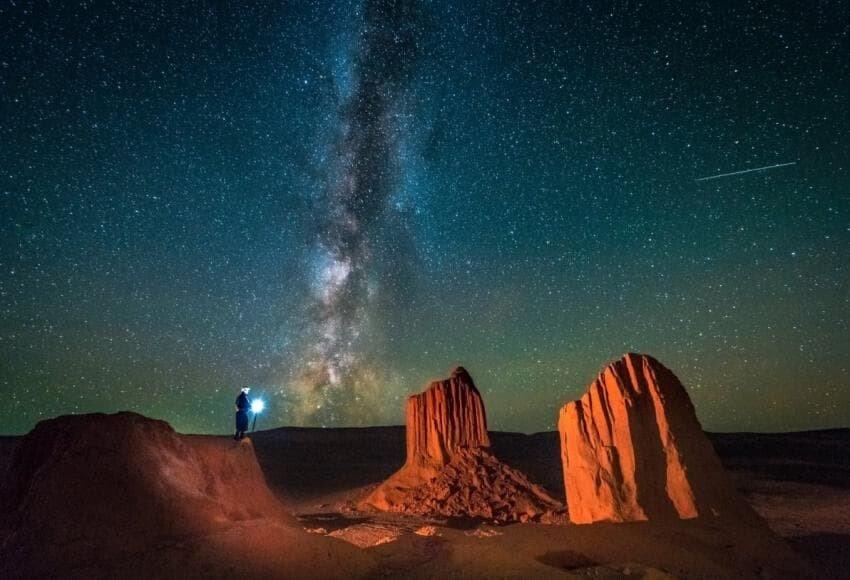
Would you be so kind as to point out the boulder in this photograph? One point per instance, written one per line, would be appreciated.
(633, 449)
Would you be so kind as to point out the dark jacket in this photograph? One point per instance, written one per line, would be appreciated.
(243, 404)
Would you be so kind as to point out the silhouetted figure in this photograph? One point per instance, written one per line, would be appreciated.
(243, 405)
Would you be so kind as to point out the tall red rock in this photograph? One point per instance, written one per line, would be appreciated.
(448, 470)
(633, 449)
(447, 416)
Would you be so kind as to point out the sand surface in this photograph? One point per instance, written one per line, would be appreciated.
(799, 483)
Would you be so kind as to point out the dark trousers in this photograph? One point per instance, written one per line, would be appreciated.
(241, 423)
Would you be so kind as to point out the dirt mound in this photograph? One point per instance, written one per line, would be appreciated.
(633, 449)
(88, 491)
(448, 471)
(476, 484)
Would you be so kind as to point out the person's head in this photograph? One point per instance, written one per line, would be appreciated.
(246, 390)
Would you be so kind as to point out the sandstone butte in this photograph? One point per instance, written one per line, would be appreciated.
(448, 415)
(448, 470)
(122, 495)
(633, 449)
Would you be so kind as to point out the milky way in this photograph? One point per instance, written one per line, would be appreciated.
(334, 201)
(338, 378)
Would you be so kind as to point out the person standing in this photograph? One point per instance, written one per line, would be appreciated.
(243, 405)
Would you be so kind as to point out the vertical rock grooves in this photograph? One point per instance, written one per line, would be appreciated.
(633, 449)
(447, 416)
(449, 470)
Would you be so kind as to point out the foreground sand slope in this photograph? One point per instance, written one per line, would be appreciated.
(676, 549)
(123, 495)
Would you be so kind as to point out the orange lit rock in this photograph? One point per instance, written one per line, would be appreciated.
(124, 496)
(447, 416)
(91, 476)
(449, 470)
(633, 449)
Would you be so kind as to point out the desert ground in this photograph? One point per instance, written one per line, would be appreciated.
(798, 482)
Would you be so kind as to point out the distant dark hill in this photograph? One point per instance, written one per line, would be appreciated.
(368, 453)
(821, 457)
(302, 462)
(372, 454)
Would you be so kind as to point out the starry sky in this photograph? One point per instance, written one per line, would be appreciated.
(333, 202)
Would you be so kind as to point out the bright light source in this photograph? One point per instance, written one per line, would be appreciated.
(257, 406)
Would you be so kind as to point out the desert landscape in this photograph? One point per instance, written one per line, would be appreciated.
(125, 496)
(408, 289)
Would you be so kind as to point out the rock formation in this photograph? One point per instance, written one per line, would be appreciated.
(447, 417)
(633, 449)
(112, 495)
(448, 470)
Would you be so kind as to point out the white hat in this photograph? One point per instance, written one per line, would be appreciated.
(246, 389)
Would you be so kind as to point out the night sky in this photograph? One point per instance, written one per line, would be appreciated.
(333, 202)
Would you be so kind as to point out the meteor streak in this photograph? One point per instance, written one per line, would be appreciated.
(765, 168)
